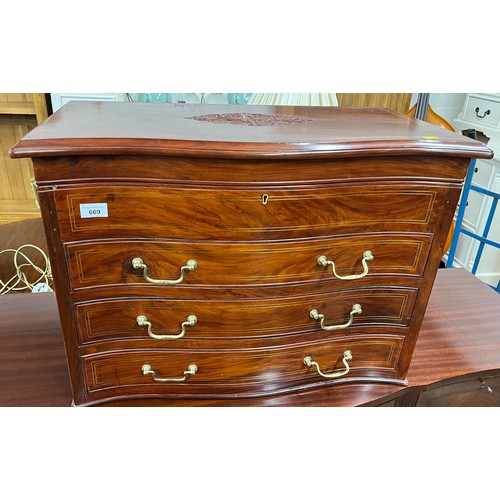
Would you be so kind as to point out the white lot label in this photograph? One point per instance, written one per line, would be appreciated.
(90, 210)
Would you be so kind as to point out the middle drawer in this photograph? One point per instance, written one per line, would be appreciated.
(182, 323)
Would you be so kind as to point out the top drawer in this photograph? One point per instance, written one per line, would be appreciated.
(482, 111)
(114, 211)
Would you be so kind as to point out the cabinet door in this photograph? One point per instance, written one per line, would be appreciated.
(397, 102)
(19, 114)
(476, 391)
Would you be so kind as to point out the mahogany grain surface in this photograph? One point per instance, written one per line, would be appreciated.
(209, 194)
(459, 339)
(168, 129)
(33, 370)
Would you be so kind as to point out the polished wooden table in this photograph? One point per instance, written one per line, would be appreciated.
(456, 361)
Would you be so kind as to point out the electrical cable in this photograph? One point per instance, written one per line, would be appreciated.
(19, 281)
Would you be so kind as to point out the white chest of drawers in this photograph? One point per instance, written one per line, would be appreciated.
(481, 112)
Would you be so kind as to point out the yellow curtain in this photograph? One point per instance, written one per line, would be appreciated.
(295, 99)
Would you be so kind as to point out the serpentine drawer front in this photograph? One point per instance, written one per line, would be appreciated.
(208, 213)
(239, 252)
(116, 263)
(247, 371)
(346, 312)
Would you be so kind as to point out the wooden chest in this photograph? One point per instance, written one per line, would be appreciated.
(203, 254)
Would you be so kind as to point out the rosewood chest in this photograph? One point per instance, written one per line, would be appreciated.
(236, 252)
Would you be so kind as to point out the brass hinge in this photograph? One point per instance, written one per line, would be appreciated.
(35, 192)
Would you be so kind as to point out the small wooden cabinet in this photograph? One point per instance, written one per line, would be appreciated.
(19, 113)
(474, 390)
(233, 253)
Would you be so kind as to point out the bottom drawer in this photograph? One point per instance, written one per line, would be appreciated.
(227, 373)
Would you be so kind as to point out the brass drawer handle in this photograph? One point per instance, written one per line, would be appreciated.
(347, 357)
(486, 113)
(323, 261)
(356, 309)
(146, 370)
(138, 263)
(143, 321)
